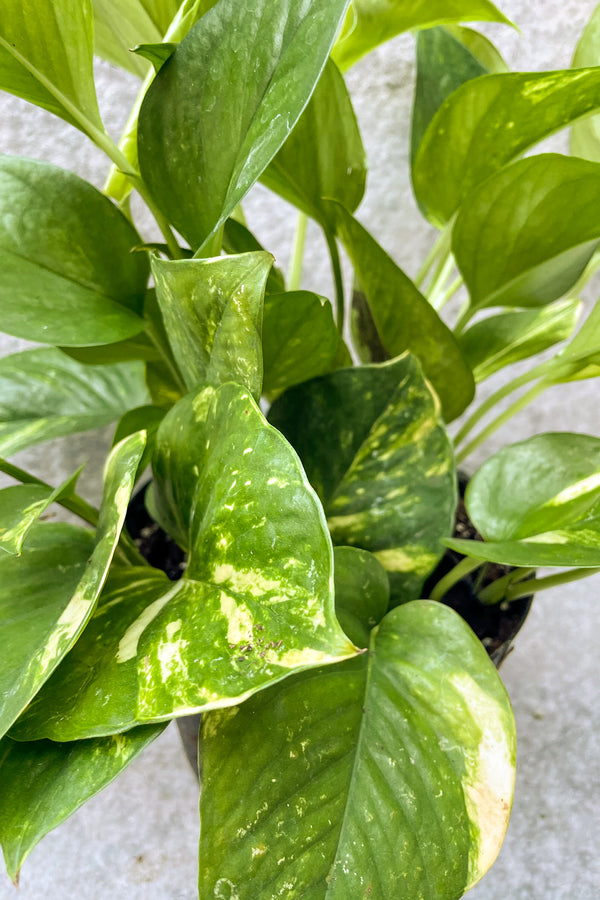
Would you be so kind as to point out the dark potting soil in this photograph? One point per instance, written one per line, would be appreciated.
(496, 626)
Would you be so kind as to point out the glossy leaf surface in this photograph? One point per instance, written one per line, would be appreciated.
(212, 311)
(405, 320)
(387, 776)
(526, 235)
(374, 447)
(44, 395)
(68, 274)
(21, 505)
(255, 602)
(206, 134)
(538, 503)
(371, 22)
(506, 338)
(300, 338)
(49, 592)
(46, 52)
(42, 783)
(324, 155)
(585, 134)
(490, 121)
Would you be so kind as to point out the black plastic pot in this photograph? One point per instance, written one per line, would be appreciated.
(496, 626)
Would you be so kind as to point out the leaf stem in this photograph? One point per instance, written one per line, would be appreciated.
(496, 591)
(534, 585)
(500, 420)
(448, 294)
(337, 277)
(497, 397)
(437, 248)
(295, 273)
(460, 570)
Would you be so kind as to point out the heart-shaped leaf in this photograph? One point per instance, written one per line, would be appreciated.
(300, 338)
(49, 592)
(585, 134)
(525, 236)
(42, 783)
(212, 311)
(374, 447)
(371, 22)
(387, 776)
(206, 134)
(255, 602)
(22, 505)
(324, 155)
(537, 503)
(405, 320)
(490, 121)
(44, 395)
(46, 54)
(68, 274)
(504, 339)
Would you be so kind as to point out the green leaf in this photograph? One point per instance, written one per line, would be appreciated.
(237, 238)
(509, 337)
(212, 311)
(119, 25)
(490, 121)
(68, 274)
(49, 592)
(46, 53)
(405, 320)
(254, 605)
(538, 503)
(157, 54)
(525, 236)
(362, 592)
(142, 418)
(443, 64)
(390, 776)
(585, 134)
(324, 155)
(44, 395)
(300, 339)
(482, 49)
(374, 448)
(205, 134)
(139, 347)
(21, 506)
(372, 22)
(43, 783)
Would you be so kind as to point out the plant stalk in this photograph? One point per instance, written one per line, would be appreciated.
(460, 570)
(338, 280)
(523, 589)
(496, 591)
(295, 273)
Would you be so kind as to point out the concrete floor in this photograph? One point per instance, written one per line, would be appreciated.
(138, 838)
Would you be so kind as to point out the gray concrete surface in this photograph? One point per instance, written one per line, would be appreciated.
(138, 838)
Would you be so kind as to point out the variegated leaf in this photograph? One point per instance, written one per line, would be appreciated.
(300, 338)
(374, 447)
(49, 592)
(362, 592)
(42, 783)
(256, 599)
(389, 776)
(537, 503)
(45, 395)
(212, 310)
(21, 506)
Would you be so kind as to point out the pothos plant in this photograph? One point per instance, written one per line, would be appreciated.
(356, 740)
